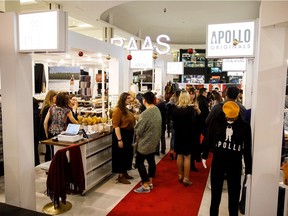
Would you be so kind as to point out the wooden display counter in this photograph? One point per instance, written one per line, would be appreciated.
(96, 156)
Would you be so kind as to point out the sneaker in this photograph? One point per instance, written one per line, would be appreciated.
(151, 186)
(142, 190)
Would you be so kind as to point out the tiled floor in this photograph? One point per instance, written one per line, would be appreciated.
(102, 198)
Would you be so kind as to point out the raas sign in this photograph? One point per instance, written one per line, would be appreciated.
(147, 45)
(230, 40)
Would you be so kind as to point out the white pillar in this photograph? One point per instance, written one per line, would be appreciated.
(268, 108)
(16, 72)
(248, 76)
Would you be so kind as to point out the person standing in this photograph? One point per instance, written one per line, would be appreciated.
(196, 151)
(49, 101)
(204, 107)
(170, 106)
(184, 117)
(36, 127)
(73, 105)
(148, 133)
(122, 138)
(230, 137)
(161, 104)
(58, 115)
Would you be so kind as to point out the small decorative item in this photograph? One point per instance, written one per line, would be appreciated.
(108, 57)
(155, 55)
(235, 42)
(80, 53)
(190, 51)
(129, 57)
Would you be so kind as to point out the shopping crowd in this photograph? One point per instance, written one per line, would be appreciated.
(199, 123)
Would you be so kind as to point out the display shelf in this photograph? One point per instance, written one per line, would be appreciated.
(96, 157)
(97, 175)
(102, 143)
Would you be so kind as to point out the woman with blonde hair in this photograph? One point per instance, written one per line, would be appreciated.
(183, 117)
(49, 101)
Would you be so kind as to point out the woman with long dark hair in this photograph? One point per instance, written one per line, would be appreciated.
(122, 138)
(58, 115)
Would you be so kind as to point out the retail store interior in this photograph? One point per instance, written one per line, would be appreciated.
(117, 47)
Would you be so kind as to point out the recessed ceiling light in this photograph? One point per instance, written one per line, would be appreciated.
(84, 25)
(27, 2)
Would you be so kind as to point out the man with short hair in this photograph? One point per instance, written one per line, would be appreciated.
(148, 132)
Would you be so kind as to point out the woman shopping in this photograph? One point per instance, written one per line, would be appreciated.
(58, 114)
(122, 138)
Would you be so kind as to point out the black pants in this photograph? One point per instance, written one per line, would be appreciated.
(49, 149)
(122, 157)
(140, 158)
(232, 169)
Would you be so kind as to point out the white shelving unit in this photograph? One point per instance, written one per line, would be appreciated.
(96, 157)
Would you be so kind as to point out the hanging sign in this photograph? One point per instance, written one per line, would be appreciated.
(147, 44)
(230, 40)
(141, 59)
(42, 31)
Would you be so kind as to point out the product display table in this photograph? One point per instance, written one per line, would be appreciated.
(96, 156)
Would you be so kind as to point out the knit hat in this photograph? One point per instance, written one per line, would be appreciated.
(231, 109)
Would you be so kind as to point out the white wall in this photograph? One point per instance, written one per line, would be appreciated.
(121, 84)
(268, 108)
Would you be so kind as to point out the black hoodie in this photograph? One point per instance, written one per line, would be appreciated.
(229, 141)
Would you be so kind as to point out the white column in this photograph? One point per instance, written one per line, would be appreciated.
(16, 72)
(248, 87)
(268, 108)
(114, 77)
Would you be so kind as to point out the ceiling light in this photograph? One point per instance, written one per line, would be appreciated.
(27, 2)
(84, 25)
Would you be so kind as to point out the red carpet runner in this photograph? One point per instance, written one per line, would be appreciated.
(168, 197)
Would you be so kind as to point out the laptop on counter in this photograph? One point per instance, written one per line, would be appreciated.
(72, 129)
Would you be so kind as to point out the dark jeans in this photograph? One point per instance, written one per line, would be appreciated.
(140, 158)
(49, 152)
(49, 149)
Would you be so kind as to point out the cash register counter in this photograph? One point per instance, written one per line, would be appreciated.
(96, 156)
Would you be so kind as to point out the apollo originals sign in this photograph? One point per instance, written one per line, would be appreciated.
(147, 45)
(230, 40)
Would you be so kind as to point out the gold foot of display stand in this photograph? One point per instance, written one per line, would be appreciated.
(50, 210)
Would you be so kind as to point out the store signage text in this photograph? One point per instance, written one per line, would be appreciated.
(147, 44)
(242, 36)
(231, 40)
